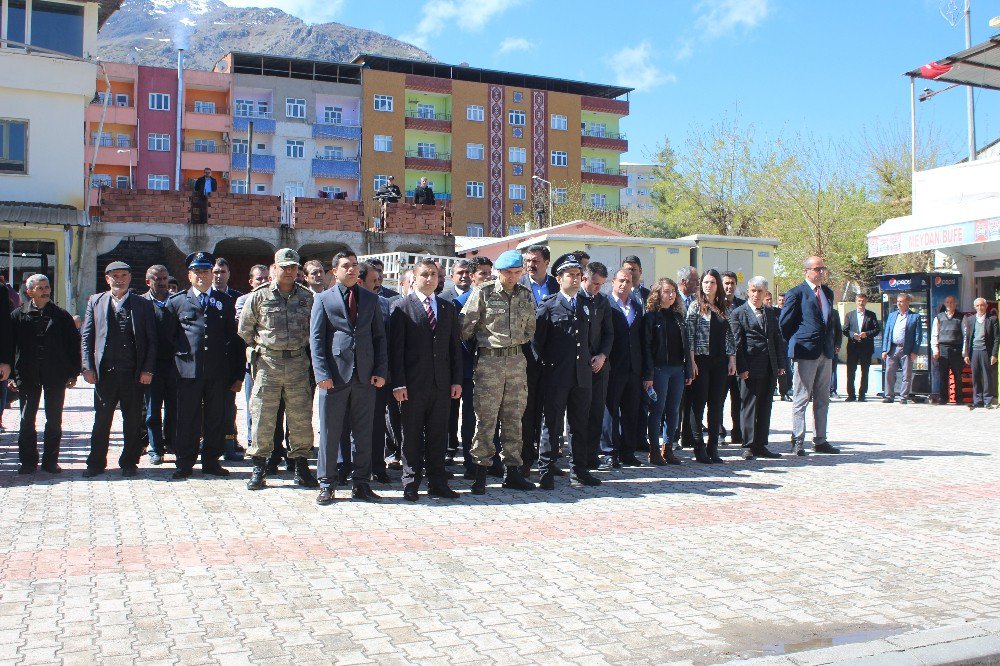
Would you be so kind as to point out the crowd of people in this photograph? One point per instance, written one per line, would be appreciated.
(520, 363)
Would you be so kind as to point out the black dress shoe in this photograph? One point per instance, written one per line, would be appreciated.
(630, 461)
(27, 469)
(326, 496)
(798, 449)
(129, 472)
(364, 492)
(903, 401)
(559, 471)
(91, 472)
(547, 482)
(441, 490)
(155, 459)
(587, 479)
(51, 468)
(887, 400)
(850, 398)
(410, 492)
(214, 469)
(180, 474)
(825, 448)
(382, 477)
(766, 453)
(862, 398)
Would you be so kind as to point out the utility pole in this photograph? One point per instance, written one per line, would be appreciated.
(970, 102)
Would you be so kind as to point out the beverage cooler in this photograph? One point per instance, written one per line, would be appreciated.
(927, 291)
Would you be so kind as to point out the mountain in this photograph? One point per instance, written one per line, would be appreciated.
(149, 32)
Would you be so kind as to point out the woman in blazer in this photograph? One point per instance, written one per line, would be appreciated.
(666, 366)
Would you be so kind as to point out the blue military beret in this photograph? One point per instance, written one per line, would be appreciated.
(199, 260)
(509, 259)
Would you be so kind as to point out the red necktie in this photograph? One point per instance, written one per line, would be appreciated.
(430, 313)
(352, 307)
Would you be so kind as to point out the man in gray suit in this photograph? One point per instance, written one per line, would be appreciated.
(348, 346)
(119, 358)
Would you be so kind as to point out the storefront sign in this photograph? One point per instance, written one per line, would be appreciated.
(934, 238)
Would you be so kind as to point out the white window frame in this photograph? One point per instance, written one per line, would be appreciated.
(260, 188)
(295, 108)
(558, 122)
(517, 117)
(475, 112)
(383, 143)
(158, 142)
(121, 99)
(599, 130)
(238, 186)
(427, 150)
(425, 110)
(475, 229)
(204, 107)
(383, 103)
(333, 115)
(295, 149)
(516, 155)
(515, 229)
(118, 183)
(598, 165)
(598, 201)
(380, 180)
(560, 195)
(241, 147)
(331, 190)
(157, 182)
(102, 139)
(475, 151)
(475, 189)
(100, 180)
(204, 145)
(559, 158)
(159, 101)
(517, 192)
(333, 152)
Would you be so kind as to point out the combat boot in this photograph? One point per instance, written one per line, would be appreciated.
(655, 455)
(479, 484)
(514, 479)
(258, 478)
(303, 475)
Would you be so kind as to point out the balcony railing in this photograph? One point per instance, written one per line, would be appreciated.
(423, 154)
(438, 196)
(218, 109)
(203, 148)
(336, 158)
(112, 142)
(605, 171)
(97, 101)
(255, 115)
(424, 115)
(599, 134)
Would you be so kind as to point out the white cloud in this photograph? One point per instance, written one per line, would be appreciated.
(512, 44)
(721, 17)
(310, 11)
(634, 67)
(685, 50)
(466, 15)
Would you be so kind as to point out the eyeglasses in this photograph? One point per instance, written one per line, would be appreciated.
(820, 269)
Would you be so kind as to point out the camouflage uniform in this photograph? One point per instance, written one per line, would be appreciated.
(501, 323)
(276, 330)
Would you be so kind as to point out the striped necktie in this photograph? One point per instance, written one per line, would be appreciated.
(431, 319)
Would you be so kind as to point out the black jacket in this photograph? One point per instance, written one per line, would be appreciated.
(423, 195)
(165, 326)
(6, 332)
(759, 350)
(205, 341)
(870, 325)
(94, 333)
(61, 359)
(420, 358)
(992, 335)
(199, 186)
(654, 343)
(602, 331)
(626, 349)
(562, 340)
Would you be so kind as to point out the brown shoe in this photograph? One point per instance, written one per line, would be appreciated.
(655, 456)
(669, 456)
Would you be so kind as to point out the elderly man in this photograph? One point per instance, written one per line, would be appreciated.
(946, 348)
(809, 324)
(161, 393)
(902, 338)
(981, 347)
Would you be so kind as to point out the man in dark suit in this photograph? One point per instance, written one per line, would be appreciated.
(632, 264)
(210, 361)
(860, 327)
(382, 444)
(900, 342)
(461, 278)
(562, 344)
(602, 335)
(6, 343)
(760, 360)
(809, 324)
(423, 194)
(729, 283)
(348, 346)
(46, 358)
(221, 273)
(536, 278)
(204, 188)
(119, 358)
(980, 349)
(426, 370)
(161, 392)
(625, 383)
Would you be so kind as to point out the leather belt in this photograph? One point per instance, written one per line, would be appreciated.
(500, 351)
(282, 353)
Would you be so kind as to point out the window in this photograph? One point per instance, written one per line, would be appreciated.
(260, 188)
(518, 208)
(240, 147)
(517, 192)
(101, 98)
(425, 111)
(559, 122)
(55, 26)
(333, 115)
(383, 103)
(642, 192)
(475, 151)
(515, 229)
(238, 187)
(559, 195)
(244, 108)
(474, 229)
(516, 117)
(598, 129)
(331, 190)
(428, 150)
(204, 145)
(121, 100)
(475, 189)
(124, 141)
(475, 113)
(204, 107)
(157, 182)
(295, 108)
(159, 102)
(560, 158)
(517, 155)
(121, 182)
(333, 153)
(261, 147)
(295, 149)
(100, 180)
(103, 139)
(599, 201)
(597, 165)
(383, 143)
(628, 191)
(381, 181)
(160, 142)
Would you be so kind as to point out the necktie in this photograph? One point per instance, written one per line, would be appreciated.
(762, 319)
(819, 299)
(431, 319)
(352, 307)
(203, 299)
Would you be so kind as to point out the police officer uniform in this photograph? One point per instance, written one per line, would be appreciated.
(562, 344)
(209, 358)
(499, 322)
(275, 326)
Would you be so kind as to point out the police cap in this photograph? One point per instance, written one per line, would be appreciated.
(509, 259)
(564, 263)
(197, 261)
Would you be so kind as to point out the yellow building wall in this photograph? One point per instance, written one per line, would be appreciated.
(464, 132)
(667, 258)
(54, 235)
(374, 122)
(762, 265)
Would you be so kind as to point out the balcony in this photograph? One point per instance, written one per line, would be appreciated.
(199, 156)
(112, 155)
(616, 107)
(438, 196)
(431, 84)
(207, 118)
(422, 160)
(115, 115)
(263, 123)
(336, 167)
(604, 141)
(604, 176)
(428, 122)
(335, 131)
(263, 164)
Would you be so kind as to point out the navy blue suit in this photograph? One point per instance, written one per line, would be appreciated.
(913, 336)
(801, 321)
(625, 382)
(532, 422)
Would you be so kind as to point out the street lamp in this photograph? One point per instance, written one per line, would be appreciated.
(539, 178)
(131, 185)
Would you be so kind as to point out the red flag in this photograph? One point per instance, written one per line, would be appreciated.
(934, 69)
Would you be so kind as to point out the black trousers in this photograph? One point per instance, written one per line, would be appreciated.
(735, 408)
(27, 438)
(624, 389)
(534, 410)
(984, 378)
(114, 389)
(864, 360)
(161, 409)
(380, 427)
(709, 388)
(564, 403)
(595, 417)
(425, 435)
(950, 361)
(394, 429)
(352, 405)
(201, 411)
(756, 397)
(684, 430)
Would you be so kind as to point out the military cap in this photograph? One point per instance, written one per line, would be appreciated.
(117, 266)
(565, 262)
(509, 259)
(200, 260)
(286, 256)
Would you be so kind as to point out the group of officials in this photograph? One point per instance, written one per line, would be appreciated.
(527, 354)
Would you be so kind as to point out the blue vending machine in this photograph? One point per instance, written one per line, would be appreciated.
(928, 291)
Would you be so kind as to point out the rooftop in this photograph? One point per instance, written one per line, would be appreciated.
(293, 68)
(978, 66)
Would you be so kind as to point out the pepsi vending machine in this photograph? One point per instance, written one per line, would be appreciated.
(927, 291)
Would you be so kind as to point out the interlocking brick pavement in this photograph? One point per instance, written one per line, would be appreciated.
(693, 564)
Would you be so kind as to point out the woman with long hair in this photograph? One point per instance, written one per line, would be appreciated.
(666, 366)
(713, 352)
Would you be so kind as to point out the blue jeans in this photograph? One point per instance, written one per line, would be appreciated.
(161, 410)
(668, 382)
(247, 390)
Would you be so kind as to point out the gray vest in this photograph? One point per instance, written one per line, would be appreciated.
(949, 330)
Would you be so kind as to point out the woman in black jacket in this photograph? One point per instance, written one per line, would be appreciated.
(666, 366)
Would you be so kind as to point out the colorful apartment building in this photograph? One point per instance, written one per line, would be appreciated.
(638, 193)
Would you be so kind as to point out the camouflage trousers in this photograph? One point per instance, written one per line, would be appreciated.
(274, 379)
(501, 390)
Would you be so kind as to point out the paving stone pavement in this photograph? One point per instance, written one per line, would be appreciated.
(693, 564)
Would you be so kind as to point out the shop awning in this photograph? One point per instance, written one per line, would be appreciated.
(14, 212)
(978, 66)
(915, 234)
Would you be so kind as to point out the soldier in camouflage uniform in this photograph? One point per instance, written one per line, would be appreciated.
(275, 325)
(500, 315)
